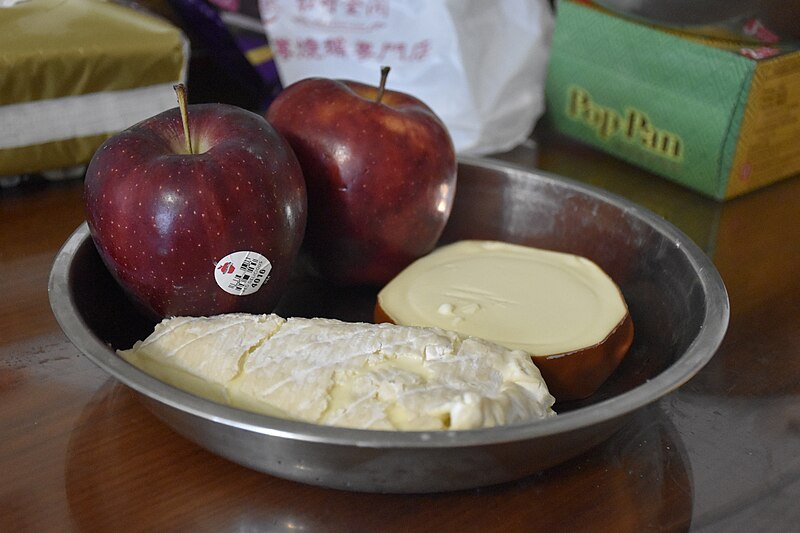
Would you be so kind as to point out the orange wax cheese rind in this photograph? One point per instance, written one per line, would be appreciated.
(562, 309)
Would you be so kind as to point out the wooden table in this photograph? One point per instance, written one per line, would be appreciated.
(78, 452)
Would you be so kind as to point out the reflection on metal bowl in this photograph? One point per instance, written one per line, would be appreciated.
(675, 295)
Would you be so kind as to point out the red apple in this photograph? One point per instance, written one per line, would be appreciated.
(201, 233)
(380, 171)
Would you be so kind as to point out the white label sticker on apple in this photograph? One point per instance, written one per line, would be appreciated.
(242, 273)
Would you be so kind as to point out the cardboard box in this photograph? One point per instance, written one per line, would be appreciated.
(720, 117)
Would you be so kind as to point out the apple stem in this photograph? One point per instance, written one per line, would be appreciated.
(382, 86)
(180, 90)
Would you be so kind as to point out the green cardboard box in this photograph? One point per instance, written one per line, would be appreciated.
(718, 116)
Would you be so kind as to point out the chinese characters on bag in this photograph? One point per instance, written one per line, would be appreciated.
(364, 16)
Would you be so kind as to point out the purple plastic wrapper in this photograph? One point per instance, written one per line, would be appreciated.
(231, 58)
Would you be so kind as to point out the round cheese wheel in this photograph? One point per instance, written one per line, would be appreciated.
(562, 309)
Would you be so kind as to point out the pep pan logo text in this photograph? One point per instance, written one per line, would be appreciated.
(634, 126)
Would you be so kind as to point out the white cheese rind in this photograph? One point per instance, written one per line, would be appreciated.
(355, 375)
(201, 355)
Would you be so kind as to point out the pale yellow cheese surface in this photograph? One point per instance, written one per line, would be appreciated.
(337, 373)
(539, 301)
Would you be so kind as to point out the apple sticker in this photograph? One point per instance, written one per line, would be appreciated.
(242, 273)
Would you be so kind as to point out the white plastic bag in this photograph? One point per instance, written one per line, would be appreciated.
(480, 65)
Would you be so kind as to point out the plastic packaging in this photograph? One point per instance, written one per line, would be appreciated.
(479, 65)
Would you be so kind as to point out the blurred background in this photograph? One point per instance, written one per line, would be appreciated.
(221, 49)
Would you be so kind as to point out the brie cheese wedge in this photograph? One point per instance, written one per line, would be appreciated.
(357, 375)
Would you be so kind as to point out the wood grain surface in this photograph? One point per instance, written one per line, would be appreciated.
(79, 452)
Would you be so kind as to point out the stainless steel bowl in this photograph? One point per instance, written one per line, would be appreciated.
(677, 300)
(715, 18)
(686, 12)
